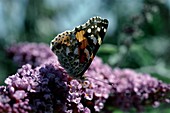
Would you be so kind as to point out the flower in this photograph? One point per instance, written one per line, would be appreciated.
(48, 88)
(91, 94)
(12, 100)
(31, 53)
(136, 90)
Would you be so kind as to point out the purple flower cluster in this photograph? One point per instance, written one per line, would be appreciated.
(13, 100)
(41, 89)
(91, 94)
(31, 53)
(48, 88)
(132, 89)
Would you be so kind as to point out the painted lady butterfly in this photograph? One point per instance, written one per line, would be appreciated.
(76, 48)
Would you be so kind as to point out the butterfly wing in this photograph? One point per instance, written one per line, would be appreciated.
(90, 39)
(76, 49)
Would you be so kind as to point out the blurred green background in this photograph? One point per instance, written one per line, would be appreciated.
(138, 36)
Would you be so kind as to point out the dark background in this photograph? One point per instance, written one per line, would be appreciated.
(138, 36)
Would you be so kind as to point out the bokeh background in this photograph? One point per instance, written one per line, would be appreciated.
(138, 36)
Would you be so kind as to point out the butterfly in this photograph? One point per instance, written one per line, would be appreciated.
(76, 48)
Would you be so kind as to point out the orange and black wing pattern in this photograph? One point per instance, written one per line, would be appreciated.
(77, 48)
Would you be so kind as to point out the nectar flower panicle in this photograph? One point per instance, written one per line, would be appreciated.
(137, 90)
(31, 53)
(48, 88)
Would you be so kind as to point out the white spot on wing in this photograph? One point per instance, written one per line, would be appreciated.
(89, 30)
(76, 51)
(99, 40)
(84, 25)
(67, 51)
(98, 29)
(87, 53)
(104, 29)
(78, 26)
(95, 41)
(92, 35)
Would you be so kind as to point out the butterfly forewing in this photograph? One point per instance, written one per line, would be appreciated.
(76, 49)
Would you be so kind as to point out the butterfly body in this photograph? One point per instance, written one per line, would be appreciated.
(76, 48)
